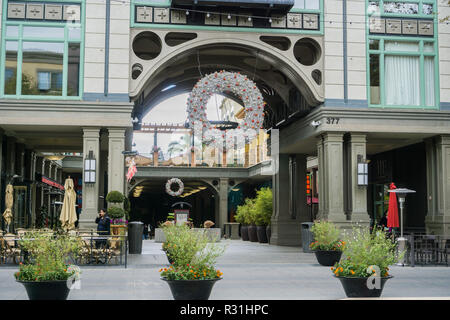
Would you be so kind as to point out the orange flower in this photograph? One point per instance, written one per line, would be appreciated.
(352, 272)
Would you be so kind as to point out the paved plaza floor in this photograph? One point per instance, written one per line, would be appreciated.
(252, 271)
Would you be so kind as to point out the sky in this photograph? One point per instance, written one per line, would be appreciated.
(170, 111)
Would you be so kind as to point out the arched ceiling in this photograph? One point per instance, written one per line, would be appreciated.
(181, 74)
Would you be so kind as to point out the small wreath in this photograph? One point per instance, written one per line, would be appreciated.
(169, 184)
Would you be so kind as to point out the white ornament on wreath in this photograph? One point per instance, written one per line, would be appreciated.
(169, 184)
(219, 82)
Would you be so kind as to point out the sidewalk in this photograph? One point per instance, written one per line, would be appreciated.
(252, 271)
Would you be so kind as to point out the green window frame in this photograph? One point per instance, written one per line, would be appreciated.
(64, 38)
(167, 4)
(380, 53)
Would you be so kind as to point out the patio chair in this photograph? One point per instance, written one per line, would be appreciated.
(114, 250)
(426, 250)
(10, 249)
(444, 251)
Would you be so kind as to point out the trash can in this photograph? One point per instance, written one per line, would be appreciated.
(307, 236)
(135, 231)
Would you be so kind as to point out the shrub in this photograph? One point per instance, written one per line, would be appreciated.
(263, 208)
(365, 253)
(115, 197)
(49, 257)
(326, 236)
(192, 255)
(116, 212)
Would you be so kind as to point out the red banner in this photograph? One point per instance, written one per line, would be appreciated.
(52, 183)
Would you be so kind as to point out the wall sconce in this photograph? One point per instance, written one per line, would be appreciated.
(363, 171)
(89, 168)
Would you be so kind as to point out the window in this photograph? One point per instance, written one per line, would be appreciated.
(402, 67)
(42, 58)
(41, 62)
(402, 74)
(411, 7)
(307, 4)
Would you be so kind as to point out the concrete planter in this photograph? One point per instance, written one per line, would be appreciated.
(356, 287)
(328, 257)
(212, 233)
(252, 233)
(244, 233)
(262, 234)
(191, 289)
(46, 290)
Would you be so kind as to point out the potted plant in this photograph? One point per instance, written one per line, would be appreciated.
(251, 219)
(192, 273)
(116, 212)
(364, 269)
(263, 213)
(327, 245)
(47, 275)
(241, 211)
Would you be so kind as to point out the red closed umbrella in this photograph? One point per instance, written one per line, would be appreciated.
(392, 216)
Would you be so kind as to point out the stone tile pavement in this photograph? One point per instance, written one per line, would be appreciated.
(252, 271)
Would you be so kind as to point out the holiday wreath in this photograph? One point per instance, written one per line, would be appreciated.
(169, 184)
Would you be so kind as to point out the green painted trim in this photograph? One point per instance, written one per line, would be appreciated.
(65, 62)
(69, 1)
(422, 75)
(38, 97)
(19, 63)
(65, 40)
(3, 52)
(404, 107)
(420, 53)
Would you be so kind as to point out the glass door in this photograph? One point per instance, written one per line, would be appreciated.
(381, 201)
(20, 212)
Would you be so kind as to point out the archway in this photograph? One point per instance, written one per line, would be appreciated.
(287, 85)
(151, 204)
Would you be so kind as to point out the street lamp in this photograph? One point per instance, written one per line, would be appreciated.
(401, 194)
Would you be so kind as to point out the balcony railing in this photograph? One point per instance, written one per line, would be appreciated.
(184, 150)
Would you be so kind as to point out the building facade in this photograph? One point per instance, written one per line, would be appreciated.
(346, 82)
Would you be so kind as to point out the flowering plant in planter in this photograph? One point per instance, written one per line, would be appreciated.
(49, 257)
(326, 236)
(119, 222)
(47, 273)
(364, 269)
(192, 273)
(366, 253)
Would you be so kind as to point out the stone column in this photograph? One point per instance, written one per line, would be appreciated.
(223, 203)
(437, 220)
(91, 142)
(331, 178)
(289, 202)
(116, 163)
(320, 178)
(356, 196)
(39, 190)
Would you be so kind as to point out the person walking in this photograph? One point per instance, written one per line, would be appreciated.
(145, 233)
